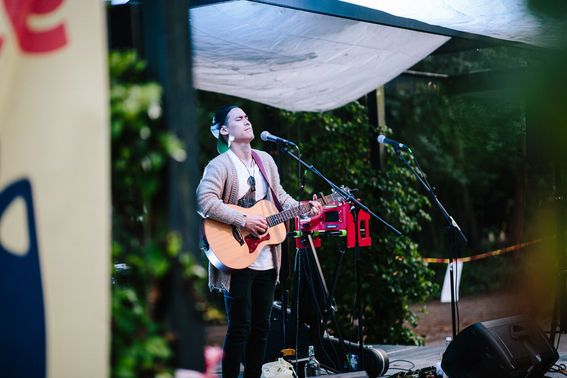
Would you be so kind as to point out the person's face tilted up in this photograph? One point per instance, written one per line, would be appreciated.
(238, 127)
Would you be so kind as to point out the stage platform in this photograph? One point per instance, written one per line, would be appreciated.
(408, 357)
(425, 356)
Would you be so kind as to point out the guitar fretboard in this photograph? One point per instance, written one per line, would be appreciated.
(303, 208)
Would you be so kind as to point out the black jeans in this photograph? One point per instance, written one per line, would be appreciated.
(248, 308)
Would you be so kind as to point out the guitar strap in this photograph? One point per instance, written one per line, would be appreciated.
(263, 171)
(285, 269)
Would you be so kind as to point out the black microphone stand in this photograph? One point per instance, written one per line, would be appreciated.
(355, 207)
(346, 195)
(452, 227)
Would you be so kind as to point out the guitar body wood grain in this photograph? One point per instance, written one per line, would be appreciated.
(226, 252)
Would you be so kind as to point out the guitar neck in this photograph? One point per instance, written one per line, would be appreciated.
(303, 208)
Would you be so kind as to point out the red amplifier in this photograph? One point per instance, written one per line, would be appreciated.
(336, 217)
(364, 239)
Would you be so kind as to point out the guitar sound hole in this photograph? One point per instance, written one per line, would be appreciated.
(237, 235)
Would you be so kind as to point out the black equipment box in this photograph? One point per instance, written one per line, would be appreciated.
(507, 347)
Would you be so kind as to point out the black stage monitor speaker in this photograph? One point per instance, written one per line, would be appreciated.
(508, 347)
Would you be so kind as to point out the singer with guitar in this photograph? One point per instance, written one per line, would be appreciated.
(234, 181)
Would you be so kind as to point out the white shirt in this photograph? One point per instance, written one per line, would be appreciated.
(265, 260)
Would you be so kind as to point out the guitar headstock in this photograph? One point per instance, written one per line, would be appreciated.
(337, 197)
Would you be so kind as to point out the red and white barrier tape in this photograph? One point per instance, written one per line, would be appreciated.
(484, 255)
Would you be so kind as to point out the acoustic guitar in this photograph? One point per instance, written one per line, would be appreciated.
(230, 247)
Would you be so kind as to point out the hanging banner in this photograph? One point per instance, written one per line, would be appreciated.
(54, 189)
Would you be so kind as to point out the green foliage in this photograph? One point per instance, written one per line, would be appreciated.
(472, 147)
(140, 150)
(392, 273)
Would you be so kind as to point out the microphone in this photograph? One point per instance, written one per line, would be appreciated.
(266, 136)
(383, 139)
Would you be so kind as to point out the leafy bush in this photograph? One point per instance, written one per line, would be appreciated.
(141, 148)
(473, 146)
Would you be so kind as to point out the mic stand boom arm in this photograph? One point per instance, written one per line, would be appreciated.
(452, 224)
(347, 196)
(453, 228)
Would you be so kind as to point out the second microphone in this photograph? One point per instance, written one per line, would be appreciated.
(267, 137)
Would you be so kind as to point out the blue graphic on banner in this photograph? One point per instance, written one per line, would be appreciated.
(22, 315)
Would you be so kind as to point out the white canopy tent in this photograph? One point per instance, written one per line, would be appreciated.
(509, 20)
(304, 60)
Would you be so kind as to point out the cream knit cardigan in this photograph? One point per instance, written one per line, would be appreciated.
(218, 187)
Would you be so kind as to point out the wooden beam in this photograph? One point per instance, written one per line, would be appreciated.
(167, 49)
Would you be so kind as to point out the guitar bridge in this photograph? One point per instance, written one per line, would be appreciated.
(237, 235)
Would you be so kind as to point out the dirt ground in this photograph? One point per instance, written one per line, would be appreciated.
(435, 323)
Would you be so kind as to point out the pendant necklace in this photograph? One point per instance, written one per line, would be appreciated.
(251, 180)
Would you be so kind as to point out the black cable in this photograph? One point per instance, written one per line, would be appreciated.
(423, 176)
(558, 368)
(354, 301)
(298, 261)
(297, 266)
(456, 294)
(308, 273)
(423, 180)
(400, 360)
(298, 186)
